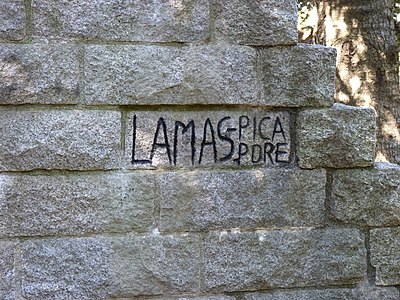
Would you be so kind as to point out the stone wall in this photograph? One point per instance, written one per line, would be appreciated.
(184, 150)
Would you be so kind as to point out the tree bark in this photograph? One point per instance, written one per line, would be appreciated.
(367, 67)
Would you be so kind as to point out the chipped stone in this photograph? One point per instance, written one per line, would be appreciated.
(340, 137)
(385, 255)
(39, 74)
(298, 76)
(368, 197)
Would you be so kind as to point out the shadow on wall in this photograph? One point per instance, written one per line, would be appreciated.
(367, 66)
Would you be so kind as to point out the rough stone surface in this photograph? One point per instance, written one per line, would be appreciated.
(39, 74)
(68, 139)
(7, 270)
(100, 268)
(263, 22)
(154, 74)
(215, 138)
(175, 150)
(213, 74)
(360, 293)
(246, 199)
(66, 269)
(367, 196)
(156, 265)
(250, 261)
(298, 76)
(385, 255)
(12, 20)
(78, 204)
(341, 137)
(217, 297)
(130, 20)
(220, 74)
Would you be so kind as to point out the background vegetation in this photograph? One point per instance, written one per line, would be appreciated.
(366, 35)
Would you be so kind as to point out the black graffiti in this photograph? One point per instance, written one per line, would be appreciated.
(205, 142)
(192, 138)
(243, 149)
(225, 137)
(241, 140)
(165, 144)
(134, 160)
(281, 131)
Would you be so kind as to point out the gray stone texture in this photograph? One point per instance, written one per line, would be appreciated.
(264, 22)
(100, 268)
(341, 137)
(249, 261)
(39, 74)
(298, 76)
(360, 293)
(12, 20)
(247, 199)
(122, 20)
(217, 297)
(8, 282)
(385, 255)
(367, 196)
(156, 264)
(213, 74)
(76, 204)
(67, 139)
(66, 269)
(171, 75)
(269, 144)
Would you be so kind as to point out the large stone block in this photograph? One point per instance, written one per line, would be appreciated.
(367, 196)
(385, 255)
(76, 204)
(103, 268)
(12, 20)
(155, 265)
(8, 282)
(360, 293)
(213, 74)
(207, 138)
(220, 74)
(264, 22)
(39, 74)
(122, 20)
(154, 74)
(250, 261)
(298, 76)
(246, 199)
(341, 137)
(131, 74)
(68, 139)
(66, 269)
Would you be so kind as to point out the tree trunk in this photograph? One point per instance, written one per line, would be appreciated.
(367, 66)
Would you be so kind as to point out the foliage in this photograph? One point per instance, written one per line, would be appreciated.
(304, 7)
